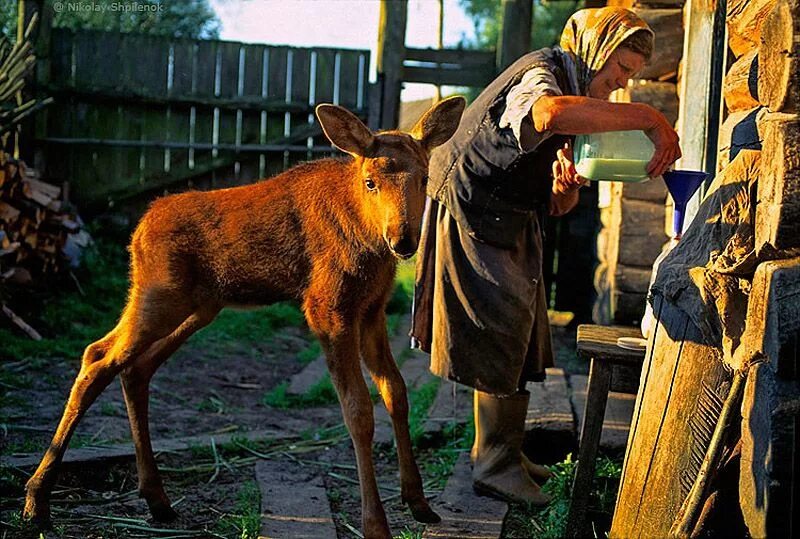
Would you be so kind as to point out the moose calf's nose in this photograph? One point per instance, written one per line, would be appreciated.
(404, 247)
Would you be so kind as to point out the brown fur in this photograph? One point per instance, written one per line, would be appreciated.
(316, 234)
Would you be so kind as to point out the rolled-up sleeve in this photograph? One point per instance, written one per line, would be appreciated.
(535, 83)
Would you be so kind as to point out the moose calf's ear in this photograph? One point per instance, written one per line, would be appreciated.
(344, 129)
(440, 122)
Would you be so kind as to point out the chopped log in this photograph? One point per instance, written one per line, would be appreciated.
(30, 183)
(663, 96)
(739, 132)
(8, 213)
(779, 83)
(744, 19)
(668, 27)
(778, 210)
(741, 83)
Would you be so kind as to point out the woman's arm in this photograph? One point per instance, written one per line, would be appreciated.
(577, 115)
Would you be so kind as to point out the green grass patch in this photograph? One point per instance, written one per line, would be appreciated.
(310, 353)
(245, 523)
(320, 394)
(550, 522)
(249, 325)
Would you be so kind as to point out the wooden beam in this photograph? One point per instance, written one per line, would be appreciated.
(778, 209)
(744, 19)
(667, 24)
(515, 37)
(478, 78)
(698, 115)
(740, 88)
(779, 58)
(390, 56)
(460, 57)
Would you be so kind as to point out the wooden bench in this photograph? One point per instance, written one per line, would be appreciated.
(612, 368)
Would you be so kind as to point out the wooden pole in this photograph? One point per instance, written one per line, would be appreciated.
(390, 55)
(515, 37)
(25, 148)
(439, 45)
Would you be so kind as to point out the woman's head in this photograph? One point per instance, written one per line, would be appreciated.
(609, 45)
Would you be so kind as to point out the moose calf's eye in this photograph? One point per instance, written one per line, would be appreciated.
(370, 184)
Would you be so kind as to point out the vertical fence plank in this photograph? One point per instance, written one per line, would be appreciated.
(348, 80)
(204, 86)
(251, 119)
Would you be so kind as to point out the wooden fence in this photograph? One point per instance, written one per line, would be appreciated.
(138, 114)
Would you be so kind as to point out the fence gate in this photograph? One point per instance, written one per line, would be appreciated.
(136, 115)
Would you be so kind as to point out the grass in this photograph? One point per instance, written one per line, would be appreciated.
(549, 522)
(245, 523)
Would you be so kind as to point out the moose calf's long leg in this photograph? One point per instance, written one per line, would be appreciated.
(341, 352)
(101, 362)
(377, 356)
(136, 389)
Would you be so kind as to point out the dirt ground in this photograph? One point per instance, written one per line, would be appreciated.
(204, 389)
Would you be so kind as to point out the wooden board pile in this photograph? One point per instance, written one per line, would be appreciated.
(40, 236)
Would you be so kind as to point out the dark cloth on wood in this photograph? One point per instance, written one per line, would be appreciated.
(708, 274)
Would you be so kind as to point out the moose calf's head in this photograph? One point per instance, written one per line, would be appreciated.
(390, 169)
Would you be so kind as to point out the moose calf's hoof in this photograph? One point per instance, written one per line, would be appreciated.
(37, 515)
(426, 515)
(163, 513)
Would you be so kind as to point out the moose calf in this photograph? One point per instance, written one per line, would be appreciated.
(325, 233)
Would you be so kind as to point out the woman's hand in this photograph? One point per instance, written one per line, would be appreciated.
(565, 177)
(667, 150)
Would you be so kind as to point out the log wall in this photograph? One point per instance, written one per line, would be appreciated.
(633, 215)
(664, 448)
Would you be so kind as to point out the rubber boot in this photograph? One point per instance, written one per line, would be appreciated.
(497, 469)
(538, 473)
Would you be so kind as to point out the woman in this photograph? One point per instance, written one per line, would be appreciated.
(480, 305)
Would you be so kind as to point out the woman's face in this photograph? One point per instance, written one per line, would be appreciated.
(615, 73)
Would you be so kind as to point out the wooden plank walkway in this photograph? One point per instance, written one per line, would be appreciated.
(293, 502)
(465, 515)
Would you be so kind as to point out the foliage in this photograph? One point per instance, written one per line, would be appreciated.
(548, 20)
(8, 20)
(176, 18)
(549, 522)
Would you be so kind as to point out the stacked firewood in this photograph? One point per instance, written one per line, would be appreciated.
(39, 234)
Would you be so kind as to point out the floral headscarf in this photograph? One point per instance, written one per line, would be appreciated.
(591, 35)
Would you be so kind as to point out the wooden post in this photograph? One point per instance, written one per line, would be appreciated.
(439, 45)
(40, 37)
(390, 55)
(515, 38)
(697, 122)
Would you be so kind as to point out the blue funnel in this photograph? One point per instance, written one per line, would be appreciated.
(682, 184)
